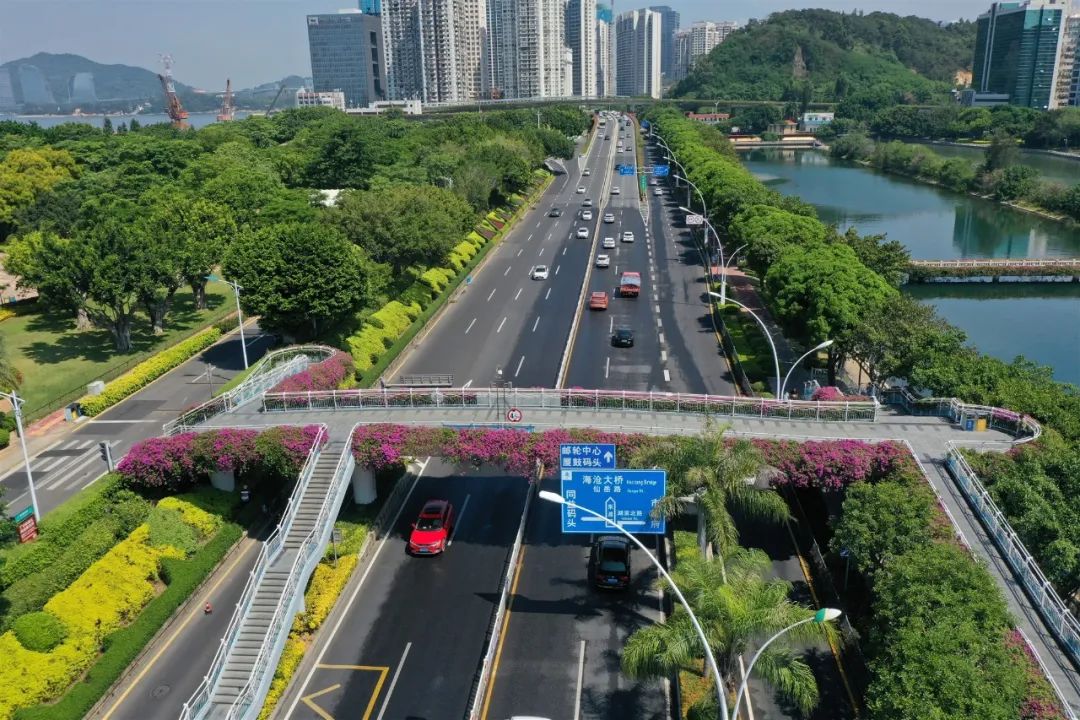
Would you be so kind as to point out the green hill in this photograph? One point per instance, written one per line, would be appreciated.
(829, 55)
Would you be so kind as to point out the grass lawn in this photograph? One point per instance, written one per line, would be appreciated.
(57, 361)
(754, 353)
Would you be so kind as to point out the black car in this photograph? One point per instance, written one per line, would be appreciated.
(610, 562)
(622, 337)
(555, 212)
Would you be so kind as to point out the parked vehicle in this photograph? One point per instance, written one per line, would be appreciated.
(630, 284)
(432, 530)
(609, 562)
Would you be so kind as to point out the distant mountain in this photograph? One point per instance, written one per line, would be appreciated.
(831, 54)
(48, 82)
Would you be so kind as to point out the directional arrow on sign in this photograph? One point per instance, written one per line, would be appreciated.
(608, 457)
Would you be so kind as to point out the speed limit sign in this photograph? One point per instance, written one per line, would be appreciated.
(513, 415)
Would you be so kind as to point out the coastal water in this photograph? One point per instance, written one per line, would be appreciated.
(196, 120)
(1040, 322)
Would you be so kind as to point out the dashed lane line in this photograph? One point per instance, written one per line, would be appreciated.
(470, 326)
(501, 324)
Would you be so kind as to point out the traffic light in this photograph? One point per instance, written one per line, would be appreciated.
(106, 453)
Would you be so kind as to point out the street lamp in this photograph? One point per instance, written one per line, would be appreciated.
(817, 348)
(720, 247)
(823, 615)
(236, 291)
(16, 403)
(768, 336)
(717, 679)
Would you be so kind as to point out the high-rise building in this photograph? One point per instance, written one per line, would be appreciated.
(371, 7)
(529, 56)
(669, 25)
(81, 88)
(1067, 90)
(7, 92)
(581, 39)
(637, 53)
(697, 41)
(436, 50)
(35, 88)
(347, 55)
(1018, 48)
(605, 51)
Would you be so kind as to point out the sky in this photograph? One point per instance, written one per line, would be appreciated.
(259, 41)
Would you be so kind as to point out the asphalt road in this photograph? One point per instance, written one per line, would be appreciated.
(74, 463)
(411, 644)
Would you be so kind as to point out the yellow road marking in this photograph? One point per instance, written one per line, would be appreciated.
(502, 636)
(195, 611)
(381, 669)
(307, 700)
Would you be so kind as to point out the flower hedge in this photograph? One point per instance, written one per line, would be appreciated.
(330, 374)
(835, 464)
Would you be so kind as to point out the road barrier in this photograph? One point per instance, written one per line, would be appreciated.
(1024, 427)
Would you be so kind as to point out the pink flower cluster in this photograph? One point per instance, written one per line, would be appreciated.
(165, 463)
(835, 464)
(1033, 708)
(827, 393)
(225, 449)
(326, 375)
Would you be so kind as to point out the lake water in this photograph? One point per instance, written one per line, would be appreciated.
(1051, 167)
(196, 120)
(1041, 322)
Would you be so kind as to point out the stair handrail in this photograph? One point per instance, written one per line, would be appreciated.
(200, 698)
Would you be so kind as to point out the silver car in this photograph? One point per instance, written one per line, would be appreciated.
(609, 217)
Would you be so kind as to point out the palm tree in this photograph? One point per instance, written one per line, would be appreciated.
(738, 606)
(717, 476)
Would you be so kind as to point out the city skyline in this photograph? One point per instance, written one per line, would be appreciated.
(261, 41)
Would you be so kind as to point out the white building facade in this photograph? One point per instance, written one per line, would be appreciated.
(581, 39)
(529, 56)
(605, 51)
(637, 54)
(697, 41)
(322, 98)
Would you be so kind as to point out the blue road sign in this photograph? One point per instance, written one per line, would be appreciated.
(627, 170)
(587, 455)
(623, 496)
(661, 170)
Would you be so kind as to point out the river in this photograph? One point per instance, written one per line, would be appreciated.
(1051, 167)
(1038, 321)
(196, 120)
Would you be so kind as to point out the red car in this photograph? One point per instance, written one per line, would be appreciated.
(432, 530)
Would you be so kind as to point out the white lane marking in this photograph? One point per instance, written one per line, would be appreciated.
(548, 294)
(564, 251)
(489, 295)
(661, 338)
(467, 384)
(393, 682)
(356, 591)
(607, 366)
(611, 323)
(616, 269)
(549, 236)
(540, 253)
(580, 678)
(507, 270)
(663, 356)
(530, 236)
(536, 323)
(667, 377)
(520, 251)
(501, 325)
(518, 371)
(470, 326)
(457, 521)
(518, 294)
(557, 269)
(657, 309)
(659, 322)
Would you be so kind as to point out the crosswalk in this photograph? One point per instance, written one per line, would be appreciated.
(65, 467)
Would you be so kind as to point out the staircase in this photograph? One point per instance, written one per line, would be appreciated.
(291, 555)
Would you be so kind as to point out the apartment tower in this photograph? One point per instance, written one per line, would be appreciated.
(605, 51)
(637, 53)
(347, 55)
(669, 25)
(581, 39)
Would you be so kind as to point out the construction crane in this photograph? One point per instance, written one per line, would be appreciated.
(227, 110)
(176, 111)
(281, 89)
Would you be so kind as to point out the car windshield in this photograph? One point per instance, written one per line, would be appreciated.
(429, 523)
(613, 560)
(541, 268)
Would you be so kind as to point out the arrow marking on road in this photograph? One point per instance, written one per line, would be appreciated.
(307, 700)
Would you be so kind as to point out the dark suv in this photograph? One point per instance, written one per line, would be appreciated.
(555, 212)
(622, 337)
(609, 562)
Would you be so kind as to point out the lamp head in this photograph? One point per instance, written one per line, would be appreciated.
(552, 497)
(824, 345)
(826, 614)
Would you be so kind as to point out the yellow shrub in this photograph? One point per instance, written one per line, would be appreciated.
(393, 318)
(6, 313)
(437, 278)
(205, 523)
(476, 239)
(291, 656)
(465, 250)
(326, 585)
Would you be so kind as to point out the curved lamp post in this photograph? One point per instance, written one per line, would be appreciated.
(817, 348)
(823, 615)
(240, 315)
(768, 335)
(720, 247)
(16, 405)
(717, 679)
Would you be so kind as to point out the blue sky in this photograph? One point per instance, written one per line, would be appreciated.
(257, 41)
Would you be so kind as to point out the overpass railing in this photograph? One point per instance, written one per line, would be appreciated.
(1023, 427)
(614, 400)
(271, 369)
(998, 262)
(1058, 619)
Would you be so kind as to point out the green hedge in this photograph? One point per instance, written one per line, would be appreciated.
(147, 371)
(922, 273)
(39, 631)
(167, 527)
(5, 437)
(122, 647)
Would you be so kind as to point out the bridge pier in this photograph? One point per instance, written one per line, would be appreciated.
(363, 485)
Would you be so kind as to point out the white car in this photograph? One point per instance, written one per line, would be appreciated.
(609, 243)
(583, 232)
(609, 217)
(587, 202)
(615, 190)
(540, 272)
(586, 215)
(627, 236)
(658, 191)
(603, 261)
(581, 190)
(654, 181)
(586, 172)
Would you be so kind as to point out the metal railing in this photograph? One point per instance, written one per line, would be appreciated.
(1069, 712)
(271, 369)
(611, 400)
(1058, 619)
(200, 699)
(998, 262)
(1023, 427)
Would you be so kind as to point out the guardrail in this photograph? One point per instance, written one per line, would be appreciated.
(1058, 619)
(613, 400)
(200, 699)
(1069, 712)
(1023, 427)
(271, 369)
(998, 262)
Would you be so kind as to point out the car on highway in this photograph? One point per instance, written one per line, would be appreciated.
(607, 137)
(609, 562)
(609, 243)
(658, 191)
(615, 190)
(431, 532)
(598, 300)
(586, 214)
(609, 217)
(622, 337)
(583, 232)
(581, 190)
(555, 212)
(603, 261)
(628, 236)
(586, 172)
(540, 272)
(587, 202)
(654, 181)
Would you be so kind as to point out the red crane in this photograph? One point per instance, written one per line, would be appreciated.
(176, 111)
(227, 109)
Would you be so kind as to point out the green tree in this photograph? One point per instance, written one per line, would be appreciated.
(768, 231)
(26, 175)
(1001, 153)
(888, 258)
(54, 267)
(882, 521)
(122, 260)
(298, 277)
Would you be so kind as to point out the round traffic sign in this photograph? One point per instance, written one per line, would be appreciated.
(513, 415)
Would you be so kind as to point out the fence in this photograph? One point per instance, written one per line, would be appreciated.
(265, 374)
(199, 701)
(1023, 427)
(998, 262)
(1058, 619)
(611, 400)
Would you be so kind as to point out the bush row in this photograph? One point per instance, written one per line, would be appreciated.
(147, 371)
(922, 273)
(330, 374)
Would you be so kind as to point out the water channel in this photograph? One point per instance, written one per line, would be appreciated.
(1051, 167)
(1040, 322)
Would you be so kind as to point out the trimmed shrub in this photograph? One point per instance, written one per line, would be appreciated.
(330, 374)
(290, 660)
(165, 463)
(437, 279)
(367, 345)
(224, 450)
(168, 529)
(203, 522)
(5, 437)
(39, 631)
(147, 371)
